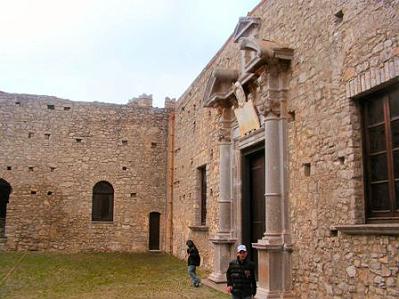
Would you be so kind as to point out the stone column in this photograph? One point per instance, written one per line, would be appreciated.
(223, 239)
(274, 249)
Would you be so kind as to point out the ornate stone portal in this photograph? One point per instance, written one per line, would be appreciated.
(260, 86)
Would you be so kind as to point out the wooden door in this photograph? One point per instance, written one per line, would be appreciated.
(253, 205)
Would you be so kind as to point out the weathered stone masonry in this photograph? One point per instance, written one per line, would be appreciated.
(57, 150)
(342, 50)
(305, 66)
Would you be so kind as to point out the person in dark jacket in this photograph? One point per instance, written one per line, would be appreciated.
(193, 262)
(241, 283)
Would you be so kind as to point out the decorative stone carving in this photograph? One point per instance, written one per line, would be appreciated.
(260, 52)
(270, 106)
(247, 26)
(244, 111)
(218, 90)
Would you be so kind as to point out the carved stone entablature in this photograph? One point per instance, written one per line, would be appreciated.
(219, 91)
(246, 27)
(258, 52)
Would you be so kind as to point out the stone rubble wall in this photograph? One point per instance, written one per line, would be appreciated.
(334, 59)
(86, 143)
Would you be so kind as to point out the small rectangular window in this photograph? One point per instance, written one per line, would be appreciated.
(203, 193)
(50, 107)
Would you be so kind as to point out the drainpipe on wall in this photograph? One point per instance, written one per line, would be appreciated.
(169, 179)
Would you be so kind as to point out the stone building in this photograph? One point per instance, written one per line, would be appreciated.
(287, 142)
(82, 176)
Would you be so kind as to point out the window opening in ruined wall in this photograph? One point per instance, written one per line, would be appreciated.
(380, 113)
(202, 193)
(103, 202)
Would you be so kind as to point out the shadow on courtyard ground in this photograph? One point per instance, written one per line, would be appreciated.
(97, 275)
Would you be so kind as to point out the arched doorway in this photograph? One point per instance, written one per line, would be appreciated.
(154, 230)
(5, 190)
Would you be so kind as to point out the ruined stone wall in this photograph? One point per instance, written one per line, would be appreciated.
(335, 58)
(53, 153)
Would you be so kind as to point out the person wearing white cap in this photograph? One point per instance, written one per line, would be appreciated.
(241, 283)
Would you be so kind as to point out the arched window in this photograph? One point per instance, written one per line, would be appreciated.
(103, 202)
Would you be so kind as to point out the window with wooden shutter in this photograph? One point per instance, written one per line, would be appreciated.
(381, 160)
(103, 202)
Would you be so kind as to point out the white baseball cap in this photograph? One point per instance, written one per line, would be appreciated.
(241, 248)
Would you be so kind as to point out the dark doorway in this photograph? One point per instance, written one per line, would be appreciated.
(253, 203)
(154, 231)
(5, 190)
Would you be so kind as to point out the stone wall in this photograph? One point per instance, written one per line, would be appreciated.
(53, 153)
(341, 49)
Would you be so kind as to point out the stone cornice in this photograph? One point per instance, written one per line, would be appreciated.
(247, 26)
(219, 88)
(262, 52)
(368, 229)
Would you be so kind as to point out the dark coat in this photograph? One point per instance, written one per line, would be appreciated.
(241, 276)
(193, 256)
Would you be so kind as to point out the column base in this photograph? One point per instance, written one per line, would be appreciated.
(274, 270)
(266, 294)
(217, 277)
(221, 257)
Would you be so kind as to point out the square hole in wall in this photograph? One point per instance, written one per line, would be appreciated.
(9, 167)
(67, 108)
(133, 194)
(124, 142)
(30, 168)
(52, 169)
(153, 144)
(30, 135)
(124, 168)
(47, 136)
(78, 140)
(18, 103)
(33, 191)
(50, 107)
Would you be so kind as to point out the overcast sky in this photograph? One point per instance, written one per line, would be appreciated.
(111, 50)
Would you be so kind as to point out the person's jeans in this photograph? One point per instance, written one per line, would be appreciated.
(194, 278)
